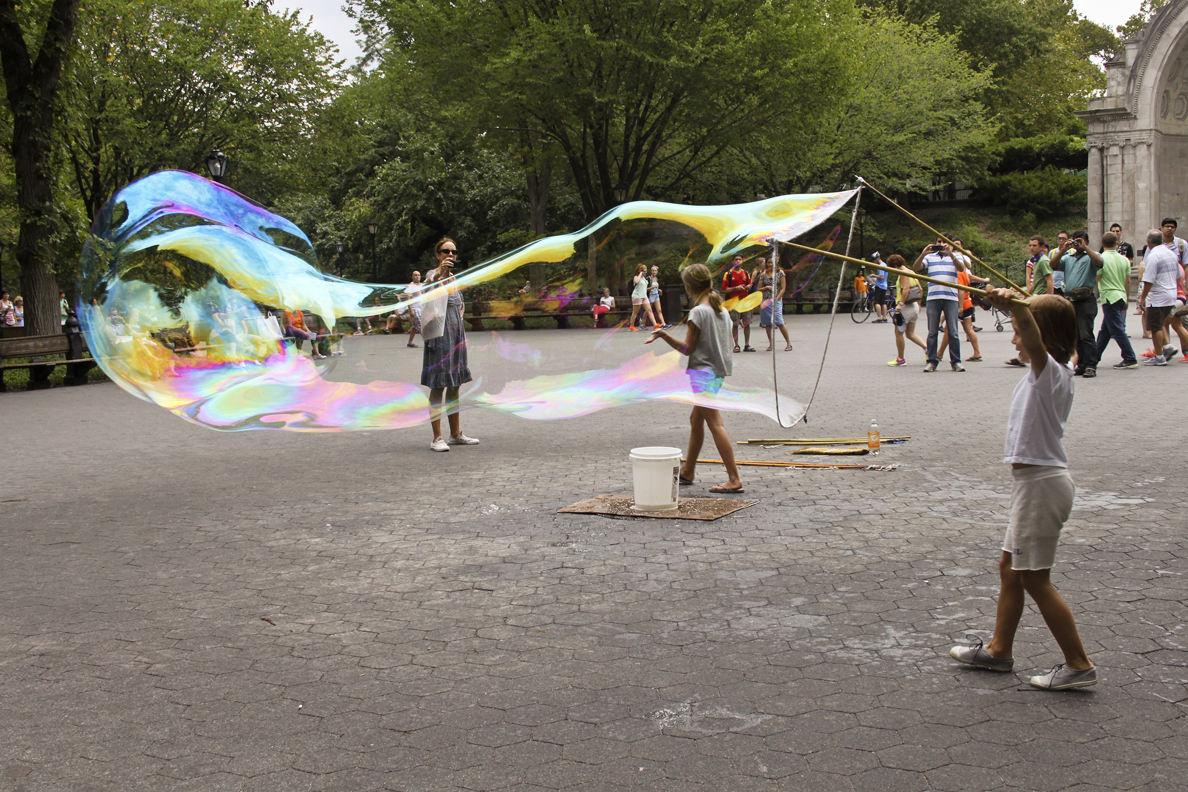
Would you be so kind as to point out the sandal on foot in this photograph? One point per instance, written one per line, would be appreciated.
(749, 348)
(788, 348)
(411, 345)
(737, 349)
(720, 488)
(684, 481)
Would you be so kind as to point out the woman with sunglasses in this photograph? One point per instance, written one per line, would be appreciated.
(444, 367)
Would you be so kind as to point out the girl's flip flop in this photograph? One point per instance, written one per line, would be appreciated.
(719, 488)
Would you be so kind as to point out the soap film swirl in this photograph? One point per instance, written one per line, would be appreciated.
(183, 282)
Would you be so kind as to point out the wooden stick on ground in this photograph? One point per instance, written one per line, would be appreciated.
(819, 440)
(794, 464)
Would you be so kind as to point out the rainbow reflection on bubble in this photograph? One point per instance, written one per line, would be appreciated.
(184, 283)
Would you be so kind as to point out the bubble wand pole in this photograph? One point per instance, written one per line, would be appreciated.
(939, 235)
(893, 271)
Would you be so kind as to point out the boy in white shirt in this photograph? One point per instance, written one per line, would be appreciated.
(1042, 494)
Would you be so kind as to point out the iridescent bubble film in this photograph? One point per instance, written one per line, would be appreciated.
(189, 294)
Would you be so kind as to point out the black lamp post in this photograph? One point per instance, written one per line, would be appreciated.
(338, 261)
(216, 163)
(372, 227)
(620, 193)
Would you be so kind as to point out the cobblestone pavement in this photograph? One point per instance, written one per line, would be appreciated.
(189, 610)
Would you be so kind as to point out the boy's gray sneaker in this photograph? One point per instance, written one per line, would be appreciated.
(958, 367)
(975, 655)
(931, 367)
(1062, 678)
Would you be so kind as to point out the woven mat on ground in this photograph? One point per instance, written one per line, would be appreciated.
(687, 508)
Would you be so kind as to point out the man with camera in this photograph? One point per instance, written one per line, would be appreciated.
(942, 300)
(1080, 265)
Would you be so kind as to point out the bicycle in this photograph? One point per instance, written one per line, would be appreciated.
(862, 308)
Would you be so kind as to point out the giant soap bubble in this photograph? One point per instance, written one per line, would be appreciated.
(184, 283)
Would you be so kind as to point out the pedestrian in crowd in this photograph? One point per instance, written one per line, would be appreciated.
(360, 322)
(1158, 297)
(414, 310)
(1112, 291)
(445, 365)
(1041, 494)
(1123, 249)
(295, 328)
(772, 283)
(1062, 239)
(966, 278)
(7, 319)
(639, 297)
(1080, 265)
(63, 307)
(908, 296)
(707, 344)
(606, 304)
(654, 296)
(942, 300)
(18, 312)
(878, 294)
(736, 284)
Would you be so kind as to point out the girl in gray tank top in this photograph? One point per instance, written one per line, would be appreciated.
(708, 344)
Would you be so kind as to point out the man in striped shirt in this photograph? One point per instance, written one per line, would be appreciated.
(942, 300)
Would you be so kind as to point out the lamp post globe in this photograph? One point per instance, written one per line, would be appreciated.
(216, 163)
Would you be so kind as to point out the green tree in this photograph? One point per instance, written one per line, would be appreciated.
(637, 96)
(157, 85)
(1037, 54)
(908, 111)
(34, 45)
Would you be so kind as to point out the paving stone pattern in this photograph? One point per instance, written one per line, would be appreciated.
(189, 610)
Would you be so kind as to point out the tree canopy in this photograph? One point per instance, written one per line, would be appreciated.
(501, 122)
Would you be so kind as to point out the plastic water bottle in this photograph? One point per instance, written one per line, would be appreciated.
(872, 437)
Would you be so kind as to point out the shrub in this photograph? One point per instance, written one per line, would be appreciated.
(1041, 193)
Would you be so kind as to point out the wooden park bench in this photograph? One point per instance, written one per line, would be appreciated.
(37, 348)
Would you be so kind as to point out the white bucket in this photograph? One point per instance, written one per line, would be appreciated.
(657, 472)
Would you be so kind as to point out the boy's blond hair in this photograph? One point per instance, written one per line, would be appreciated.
(1057, 323)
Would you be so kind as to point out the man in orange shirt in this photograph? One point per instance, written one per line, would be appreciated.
(736, 283)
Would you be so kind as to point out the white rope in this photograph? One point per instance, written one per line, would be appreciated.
(841, 278)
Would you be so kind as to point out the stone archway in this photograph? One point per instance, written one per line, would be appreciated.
(1138, 131)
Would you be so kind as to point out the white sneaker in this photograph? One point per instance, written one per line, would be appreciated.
(439, 445)
(462, 440)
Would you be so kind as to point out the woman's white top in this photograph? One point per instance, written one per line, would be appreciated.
(1039, 410)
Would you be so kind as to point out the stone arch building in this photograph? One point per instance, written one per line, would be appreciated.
(1138, 131)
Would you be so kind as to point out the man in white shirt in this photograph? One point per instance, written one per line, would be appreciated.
(414, 311)
(1158, 296)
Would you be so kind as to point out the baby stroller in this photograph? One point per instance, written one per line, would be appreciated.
(1001, 318)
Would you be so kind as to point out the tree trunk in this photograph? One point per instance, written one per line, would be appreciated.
(32, 88)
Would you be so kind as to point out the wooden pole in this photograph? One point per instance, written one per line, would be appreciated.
(875, 190)
(791, 464)
(892, 270)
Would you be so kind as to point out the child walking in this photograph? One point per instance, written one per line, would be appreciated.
(708, 344)
(1042, 493)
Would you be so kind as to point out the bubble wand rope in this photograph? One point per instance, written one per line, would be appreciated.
(893, 271)
(836, 295)
(864, 183)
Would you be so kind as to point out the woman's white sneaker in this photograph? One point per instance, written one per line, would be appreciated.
(439, 445)
(462, 439)
(1062, 678)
